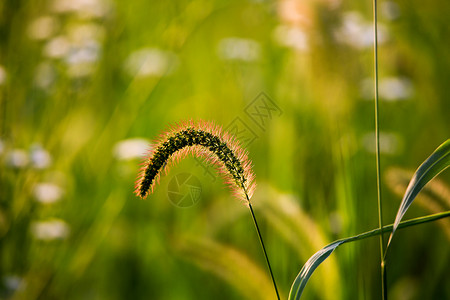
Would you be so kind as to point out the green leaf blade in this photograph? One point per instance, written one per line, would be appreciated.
(437, 162)
(314, 261)
(309, 267)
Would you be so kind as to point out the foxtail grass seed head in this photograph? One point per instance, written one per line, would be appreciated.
(201, 139)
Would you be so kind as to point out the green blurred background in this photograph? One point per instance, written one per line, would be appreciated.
(85, 85)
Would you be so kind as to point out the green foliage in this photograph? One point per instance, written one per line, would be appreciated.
(438, 161)
(80, 81)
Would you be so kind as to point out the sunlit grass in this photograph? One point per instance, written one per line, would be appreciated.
(71, 91)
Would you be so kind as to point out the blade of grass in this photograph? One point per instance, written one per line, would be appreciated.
(438, 161)
(377, 142)
(434, 197)
(310, 266)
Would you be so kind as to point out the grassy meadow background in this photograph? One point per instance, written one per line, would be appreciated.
(85, 85)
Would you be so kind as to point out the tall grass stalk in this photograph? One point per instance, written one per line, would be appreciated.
(377, 143)
(209, 141)
(264, 250)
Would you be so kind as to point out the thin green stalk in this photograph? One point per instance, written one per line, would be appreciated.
(261, 241)
(264, 249)
(404, 224)
(377, 142)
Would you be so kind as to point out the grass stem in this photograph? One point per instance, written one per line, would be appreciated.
(264, 249)
(377, 142)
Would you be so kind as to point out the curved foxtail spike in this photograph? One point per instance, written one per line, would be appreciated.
(201, 139)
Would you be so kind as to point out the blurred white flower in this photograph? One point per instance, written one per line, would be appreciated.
(13, 283)
(294, 12)
(390, 143)
(131, 149)
(83, 8)
(42, 28)
(394, 88)
(50, 229)
(57, 47)
(47, 193)
(356, 32)
(150, 62)
(389, 89)
(240, 49)
(81, 58)
(3, 75)
(291, 36)
(87, 52)
(40, 158)
(17, 158)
